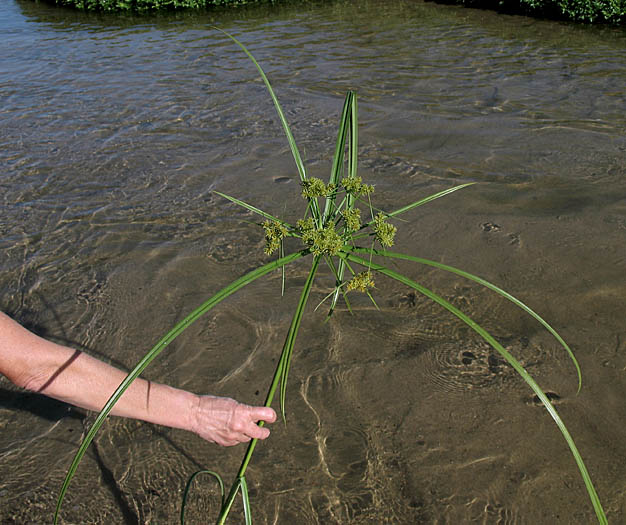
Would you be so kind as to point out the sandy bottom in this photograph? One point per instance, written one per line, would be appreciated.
(400, 415)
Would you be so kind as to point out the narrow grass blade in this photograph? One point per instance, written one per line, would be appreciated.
(352, 171)
(188, 489)
(341, 270)
(282, 270)
(486, 284)
(315, 211)
(354, 138)
(338, 159)
(230, 500)
(293, 333)
(279, 109)
(246, 501)
(279, 377)
(338, 273)
(595, 500)
(156, 350)
(430, 198)
(253, 209)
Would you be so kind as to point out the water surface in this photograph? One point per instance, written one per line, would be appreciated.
(117, 129)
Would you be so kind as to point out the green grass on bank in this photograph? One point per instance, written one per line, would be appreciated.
(145, 5)
(588, 11)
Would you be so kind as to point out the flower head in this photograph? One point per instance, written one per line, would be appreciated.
(385, 232)
(274, 234)
(361, 282)
(355, 186)
(314, 187)
(352, 216)
(326, 241)
(321, 241)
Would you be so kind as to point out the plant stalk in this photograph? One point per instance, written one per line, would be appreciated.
(280, 372)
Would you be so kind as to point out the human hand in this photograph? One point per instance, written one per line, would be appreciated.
(226, 422)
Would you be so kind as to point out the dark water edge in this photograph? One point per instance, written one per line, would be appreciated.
(581, 12)
(116, 130)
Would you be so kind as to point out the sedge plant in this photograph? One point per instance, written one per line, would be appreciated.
(342, 229)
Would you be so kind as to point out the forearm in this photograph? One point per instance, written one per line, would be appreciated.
(74, 377)
(89, 383)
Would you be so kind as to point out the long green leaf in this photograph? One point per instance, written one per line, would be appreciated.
(215, 475)
(595, 500)
(340, 147)
(338, 273)
(422, 201)
(293, 332)
(354, 138)
(486, 284)
(279, 377)
(429, 198)
(352, 171)
(252, 208)
(156, 350)
(230, 499)
(315, 211)
(246, 501)
(279, 109)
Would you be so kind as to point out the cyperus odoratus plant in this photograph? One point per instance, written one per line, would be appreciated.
(341, 228)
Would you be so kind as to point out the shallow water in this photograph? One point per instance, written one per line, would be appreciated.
(115, 132)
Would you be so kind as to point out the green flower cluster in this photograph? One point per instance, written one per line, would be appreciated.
(355, 186)
(361, 282)
(307, 229)
(314, 187)
(323, 241)
(384, 231)
(352, 216)
(274, 233)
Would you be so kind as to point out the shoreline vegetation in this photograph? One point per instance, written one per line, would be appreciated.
(584, 11)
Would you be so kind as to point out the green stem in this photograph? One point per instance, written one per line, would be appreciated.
(279, 374)
(155, 351)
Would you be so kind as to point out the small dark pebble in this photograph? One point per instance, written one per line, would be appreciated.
(467, 358)
(552, 397)
(490, 227)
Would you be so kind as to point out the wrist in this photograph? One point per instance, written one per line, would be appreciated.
(193, 411)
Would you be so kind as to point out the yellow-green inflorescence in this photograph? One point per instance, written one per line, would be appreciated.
(352, 216)
(385, 232)
(314, 187)
(323, 241)
(361, 282)
(326, 240)
(355, 186)
(274, 233)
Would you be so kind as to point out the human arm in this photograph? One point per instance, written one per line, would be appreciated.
(69, 375)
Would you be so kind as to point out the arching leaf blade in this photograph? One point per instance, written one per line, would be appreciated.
(486, 284)
(425, 200)
(155, 351)
(215, 475)
(253, 209)
(338, 159)
(247, 513)
(290, 341)
(595, 500)
(279, 109)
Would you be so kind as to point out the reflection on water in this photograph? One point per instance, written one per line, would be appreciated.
(116, 130)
